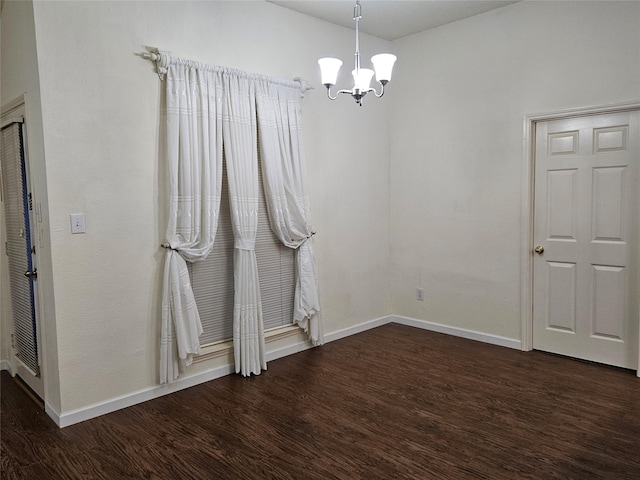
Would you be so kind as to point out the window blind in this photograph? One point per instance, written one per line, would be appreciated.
(212, 279)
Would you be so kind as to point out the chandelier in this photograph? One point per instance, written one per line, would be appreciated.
(382, 63)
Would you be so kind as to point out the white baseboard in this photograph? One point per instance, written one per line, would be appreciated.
(458, 332)
(128, 400)
(289, 350)
(91, 411)
(55, 415)
(359, 328)
(5, 365)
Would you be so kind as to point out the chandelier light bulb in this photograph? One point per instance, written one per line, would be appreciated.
(362, 78)
(383, 65)
(329, 68)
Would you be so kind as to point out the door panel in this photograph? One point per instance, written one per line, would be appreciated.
(562, 201)
(561, 296)
(608, 202)
(609, 285)
(585, 285)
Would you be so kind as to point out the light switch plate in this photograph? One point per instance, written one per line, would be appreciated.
(77, 223)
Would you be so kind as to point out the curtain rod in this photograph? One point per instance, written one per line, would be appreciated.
(163, 59)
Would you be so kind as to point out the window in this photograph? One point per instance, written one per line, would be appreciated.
(212, 279)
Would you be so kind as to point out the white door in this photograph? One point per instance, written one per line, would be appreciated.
(19, 246)
(586, 232)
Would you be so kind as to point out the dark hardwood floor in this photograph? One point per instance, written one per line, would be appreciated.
(393, 402)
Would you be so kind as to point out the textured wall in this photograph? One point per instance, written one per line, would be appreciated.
(457, 145)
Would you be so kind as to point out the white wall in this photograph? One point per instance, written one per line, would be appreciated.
(100, 108)
(457, 150)
(18, 77)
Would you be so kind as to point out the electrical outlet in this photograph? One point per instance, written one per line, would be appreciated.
(420, 294)
(77, 223)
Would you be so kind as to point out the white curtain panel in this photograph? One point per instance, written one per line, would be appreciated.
(241, 152)
(194, 156)
(287, 194)
(204, 106)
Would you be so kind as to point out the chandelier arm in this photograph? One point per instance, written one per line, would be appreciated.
(381, 90)
(329, 93)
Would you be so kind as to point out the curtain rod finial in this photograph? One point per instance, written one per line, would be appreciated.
(304, 85)
(159, 57)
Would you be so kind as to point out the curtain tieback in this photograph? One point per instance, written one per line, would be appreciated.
(169, 247)
(305, 239)
(245, 244)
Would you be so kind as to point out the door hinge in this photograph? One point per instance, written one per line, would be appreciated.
(13, 341)
(33, 249)
(30, 202)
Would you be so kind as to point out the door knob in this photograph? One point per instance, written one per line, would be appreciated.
(31, 273)
(539, 249)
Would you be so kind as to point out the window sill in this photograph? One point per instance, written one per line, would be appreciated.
(221, 349)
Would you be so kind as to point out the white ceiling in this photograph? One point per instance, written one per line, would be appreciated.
(393, 19)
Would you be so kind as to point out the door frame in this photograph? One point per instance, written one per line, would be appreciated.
(528, 204)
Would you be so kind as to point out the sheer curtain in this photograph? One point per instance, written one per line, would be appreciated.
(241, 152)
(287, 194)
(194, 156)
(204, 106)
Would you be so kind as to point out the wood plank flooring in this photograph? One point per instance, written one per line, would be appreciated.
(391, 403)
